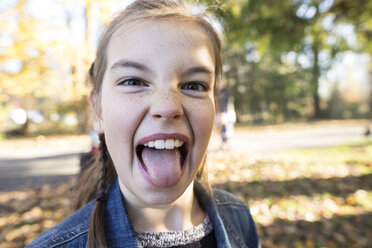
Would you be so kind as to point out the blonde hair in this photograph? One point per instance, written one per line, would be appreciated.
(102, 171)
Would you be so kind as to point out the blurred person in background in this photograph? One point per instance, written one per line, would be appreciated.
(226, 117)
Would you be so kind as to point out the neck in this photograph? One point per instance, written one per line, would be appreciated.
(182, 214)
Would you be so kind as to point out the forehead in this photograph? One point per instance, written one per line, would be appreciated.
(159, 40)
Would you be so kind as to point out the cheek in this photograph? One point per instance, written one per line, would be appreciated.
(120, 113)
(114, 115)
(120, 118)
(202, 121)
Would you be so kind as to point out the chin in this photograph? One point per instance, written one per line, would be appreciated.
(166, 196)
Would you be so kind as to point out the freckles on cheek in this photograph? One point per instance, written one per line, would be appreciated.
(124, 113)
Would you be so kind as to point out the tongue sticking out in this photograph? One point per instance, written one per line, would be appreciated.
(163, 166)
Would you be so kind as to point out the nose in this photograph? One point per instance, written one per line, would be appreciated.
(167, 105)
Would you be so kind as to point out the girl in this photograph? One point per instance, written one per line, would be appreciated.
(154, 80)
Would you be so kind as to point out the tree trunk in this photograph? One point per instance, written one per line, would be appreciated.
(315, 82)
(370, 96)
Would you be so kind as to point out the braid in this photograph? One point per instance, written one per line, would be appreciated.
(101, 195)
(96, 235)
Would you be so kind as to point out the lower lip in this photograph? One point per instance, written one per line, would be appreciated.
(146, 175)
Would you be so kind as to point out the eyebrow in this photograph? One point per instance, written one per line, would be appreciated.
(130, 64)
(197, 69)
(142, 67)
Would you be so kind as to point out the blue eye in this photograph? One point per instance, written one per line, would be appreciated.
(197, 86)
(132, 82)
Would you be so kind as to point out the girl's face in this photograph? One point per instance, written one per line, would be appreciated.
(157, 107)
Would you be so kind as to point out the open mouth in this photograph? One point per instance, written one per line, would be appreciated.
(163, 161)
(168, 144)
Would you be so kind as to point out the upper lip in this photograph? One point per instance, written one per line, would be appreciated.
(163, 136)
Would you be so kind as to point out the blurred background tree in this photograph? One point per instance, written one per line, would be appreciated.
(359, 14)
(25, 78)
(283, 60)
(44, 60)
(277, 52)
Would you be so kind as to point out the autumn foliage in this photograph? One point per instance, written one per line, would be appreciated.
(317, 197)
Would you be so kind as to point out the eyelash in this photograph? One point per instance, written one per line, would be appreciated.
(197, 84)
(139, 82)
(132, 81)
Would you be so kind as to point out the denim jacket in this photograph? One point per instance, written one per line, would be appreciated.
(232, 222)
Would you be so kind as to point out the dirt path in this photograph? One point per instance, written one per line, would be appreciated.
(34, 162)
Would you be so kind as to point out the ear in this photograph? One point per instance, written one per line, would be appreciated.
(96, 111)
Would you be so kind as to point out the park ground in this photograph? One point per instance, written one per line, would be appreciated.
(312, 196)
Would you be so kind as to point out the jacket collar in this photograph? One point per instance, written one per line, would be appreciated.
(209, 206)
(120, 232)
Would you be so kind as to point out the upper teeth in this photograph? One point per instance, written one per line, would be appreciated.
(164, 144)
